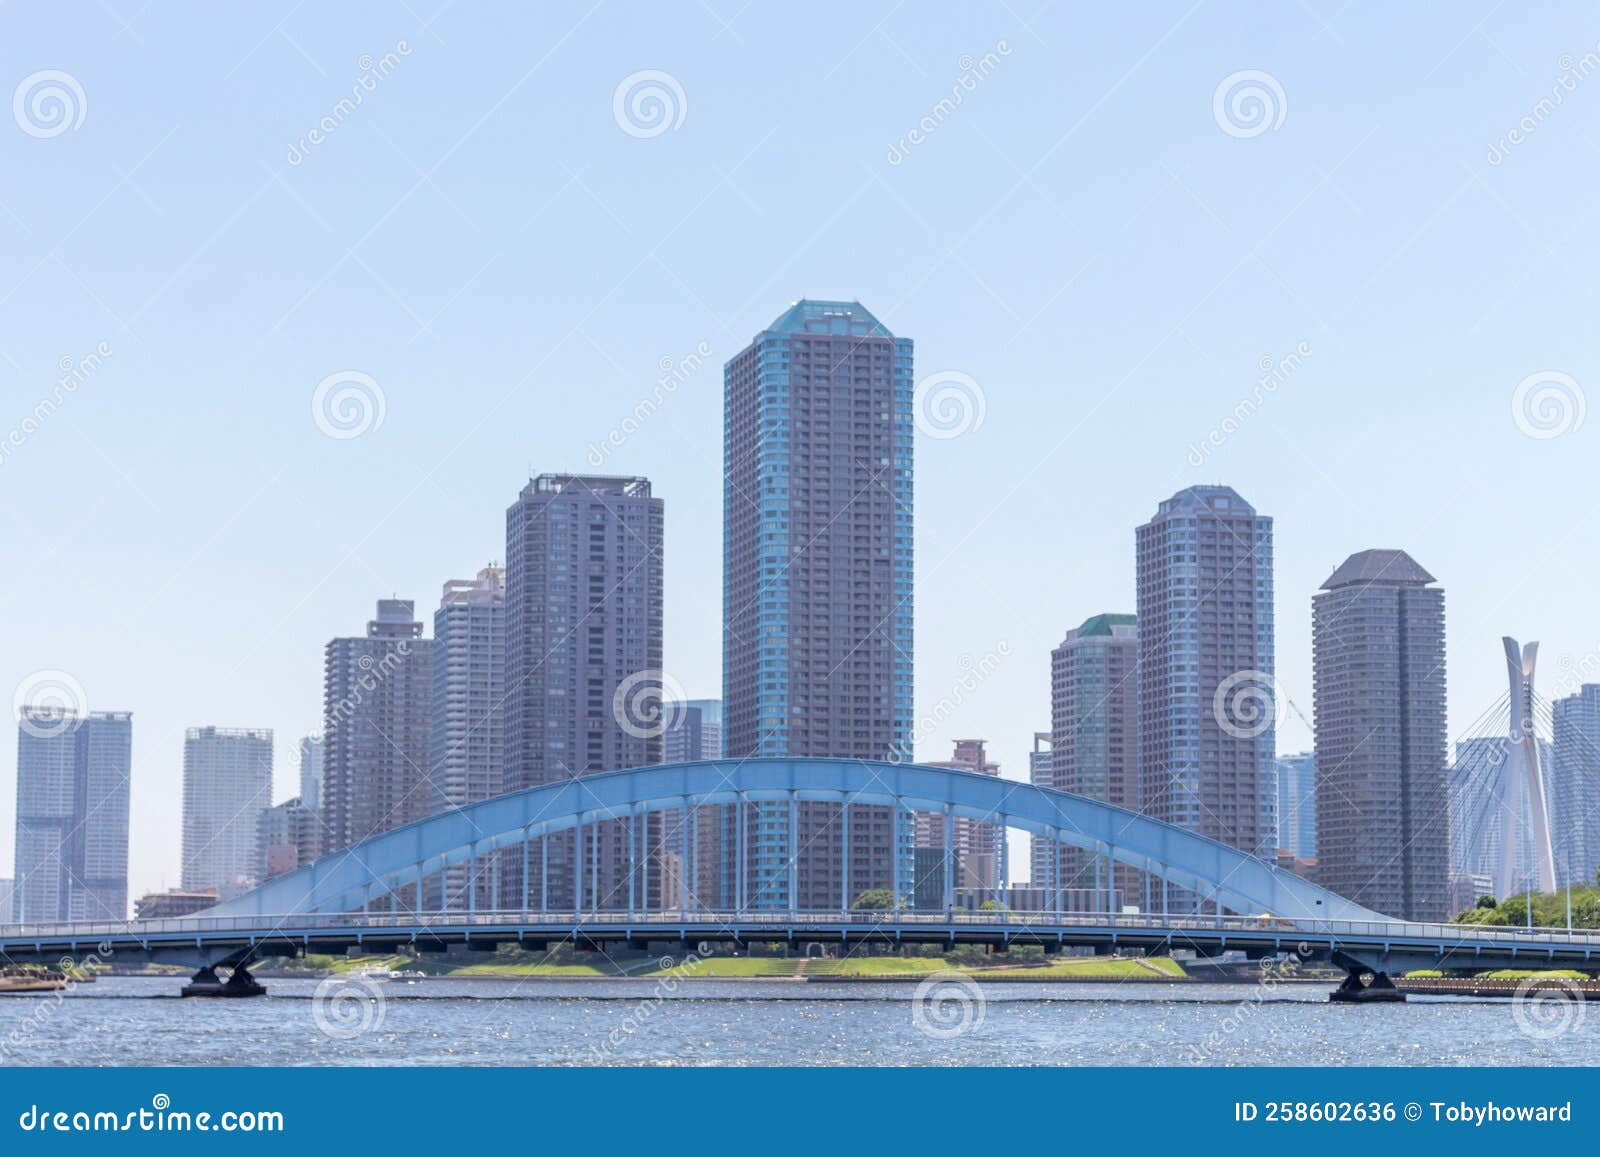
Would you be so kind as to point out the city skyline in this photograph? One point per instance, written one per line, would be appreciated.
(1114, 324)
(396, 637)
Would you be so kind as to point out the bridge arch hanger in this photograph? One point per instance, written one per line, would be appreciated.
(408, 855)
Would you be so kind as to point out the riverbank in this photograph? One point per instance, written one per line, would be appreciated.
(872, 969)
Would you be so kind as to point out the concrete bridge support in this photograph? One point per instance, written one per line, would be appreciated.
(239, 983)
(1363, 984)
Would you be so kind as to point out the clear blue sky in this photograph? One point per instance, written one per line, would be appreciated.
(1080, 236)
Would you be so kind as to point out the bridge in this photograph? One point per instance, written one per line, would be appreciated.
(357, 897)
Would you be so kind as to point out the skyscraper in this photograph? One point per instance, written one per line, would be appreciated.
(72, 815)
(1041, 764)
(693, 732)
(467, 745)
(583, 672)
(1297, 804)
(1094, 736)
(227, 784)
(817, 574)
(976, 844)
(377, 718)
(1575, 786)
(1206, 737)
(311, 751)
(1377, 634)
(290, 836)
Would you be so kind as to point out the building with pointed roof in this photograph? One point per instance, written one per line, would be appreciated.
(1378, 651)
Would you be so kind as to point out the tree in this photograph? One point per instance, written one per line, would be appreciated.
(1488, 902)
(874, 900)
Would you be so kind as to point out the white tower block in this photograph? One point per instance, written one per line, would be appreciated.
(1522, 785)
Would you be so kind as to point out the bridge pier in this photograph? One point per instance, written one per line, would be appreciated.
(1356, 990)
(239, 983)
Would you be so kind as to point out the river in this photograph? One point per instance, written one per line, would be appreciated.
(142, 1021)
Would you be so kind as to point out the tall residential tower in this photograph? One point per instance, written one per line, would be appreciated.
(1575, 786)
(72, 815)
(817, 573)
(1094, 740)
(227, 784)
(583, 678)
(467, 743)
(1206, 737)
(377, 715)
(1383, 833)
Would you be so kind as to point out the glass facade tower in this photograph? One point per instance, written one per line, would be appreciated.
(817, 569)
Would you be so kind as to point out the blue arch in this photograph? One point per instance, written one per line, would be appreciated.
(408, 854)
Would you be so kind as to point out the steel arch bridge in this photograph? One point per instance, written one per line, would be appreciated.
(383, 864)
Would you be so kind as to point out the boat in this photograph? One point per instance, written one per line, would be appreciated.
(31, 981)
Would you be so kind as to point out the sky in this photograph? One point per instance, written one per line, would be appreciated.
(493, 252)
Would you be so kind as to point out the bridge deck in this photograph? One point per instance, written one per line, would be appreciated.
(1391, 946)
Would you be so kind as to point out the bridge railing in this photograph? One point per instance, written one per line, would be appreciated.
(752, 923)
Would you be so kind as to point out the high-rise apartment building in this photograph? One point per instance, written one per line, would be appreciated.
(377, 720)
(227, 784)
(1575, 786)
(72, 815)
(1041, 764)
(693, 731)
(583, 678)
(1094, 736)
(1377, 634)
(311, 776)
(467, 761)
(1205, 668)
(1297, 804)
(290, 835)
(817, 586)
(979, 855)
